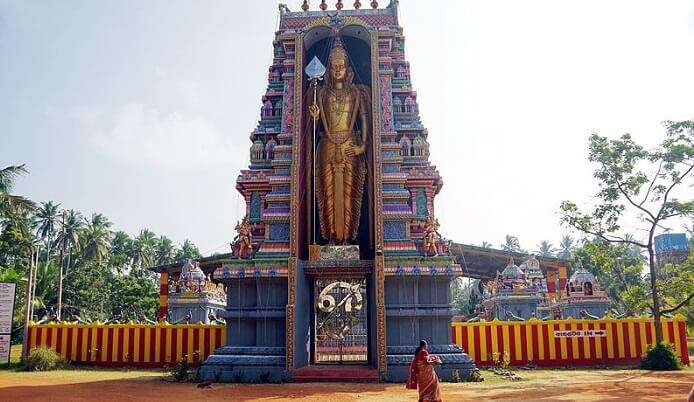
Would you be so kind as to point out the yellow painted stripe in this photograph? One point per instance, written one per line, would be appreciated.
(552, 346)
(505, 340)
(610, 337)
(104, 343)
(84, 347)
(213, 335)
(632, 338)
(495, 342)
(540, 343)
(587, 353)
(73, 344)
(201, 342)
(529, 352)
(190, 350)
(148, 340)
(168, 352)
(157, 344)
(54, 338)
(666, 333)
(518, 346)
(179, 344)
(620, 340)
(564, 352)
(63, 343)
(574, 344)
(33, 335)
(126, 344)
(116, 342)
(224, 336)
(470, 342)
(483, 343)
(642, 336)
(598, 344)
(136, 345)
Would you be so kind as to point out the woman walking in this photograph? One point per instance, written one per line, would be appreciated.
(423, 376)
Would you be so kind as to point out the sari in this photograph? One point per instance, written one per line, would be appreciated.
(423, 377)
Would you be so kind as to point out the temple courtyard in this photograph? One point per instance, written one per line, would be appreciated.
(535, 385)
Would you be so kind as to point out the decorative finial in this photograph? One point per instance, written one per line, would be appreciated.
(374, 4)
(339, 5)
(305, 5)
(323, 6)
(357, 5)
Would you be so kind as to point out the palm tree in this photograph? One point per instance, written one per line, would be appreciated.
(165, 250)
(120, 254)
(486, 244)
(96, 238)
(143, 253)
(44, 284)
(511, 245)
(188, 250)
(566, 247)
(546, 249)
(69, 240)
(10, 203)
(46, 217)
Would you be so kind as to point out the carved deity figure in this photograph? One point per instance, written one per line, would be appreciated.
(340, 158)
(431, 237)
(242, 246)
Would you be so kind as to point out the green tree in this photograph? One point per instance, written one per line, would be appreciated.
(143, 252)
(96, 238)
(119, 258)
(165, 251)
(188, 251)
(546, 249)
(566, 247)
(486, 244)
(639, 183)
(9, 203)
(511, 244)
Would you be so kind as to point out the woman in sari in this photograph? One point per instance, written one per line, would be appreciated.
(423, 376)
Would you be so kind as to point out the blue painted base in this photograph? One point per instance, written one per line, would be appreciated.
(245, 365)
(454, 360)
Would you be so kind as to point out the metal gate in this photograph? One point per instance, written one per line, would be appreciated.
(340, 321)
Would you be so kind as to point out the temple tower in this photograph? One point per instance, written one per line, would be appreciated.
(338, 260)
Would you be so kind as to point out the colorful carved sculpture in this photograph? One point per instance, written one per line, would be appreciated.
(242, 246)
(431, 237)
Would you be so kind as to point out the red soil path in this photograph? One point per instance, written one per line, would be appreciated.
(540, 385)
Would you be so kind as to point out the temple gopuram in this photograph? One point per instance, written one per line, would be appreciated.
(338, 268)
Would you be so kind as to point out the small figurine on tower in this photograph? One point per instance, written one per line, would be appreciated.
(242, 245)
(431, 237)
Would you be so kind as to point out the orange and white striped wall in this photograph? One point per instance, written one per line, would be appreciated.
(567, 342)
(129, 344)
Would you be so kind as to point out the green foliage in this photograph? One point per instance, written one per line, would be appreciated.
(181, 372)
(638, 184)
(661, 356)
(43, 359)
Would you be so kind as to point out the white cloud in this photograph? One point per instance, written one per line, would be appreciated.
(141, 134)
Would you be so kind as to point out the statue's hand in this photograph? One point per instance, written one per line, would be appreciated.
(354, 151)
(314, 111)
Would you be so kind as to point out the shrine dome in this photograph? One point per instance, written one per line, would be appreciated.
(582, 276)
(192, 272)
(512, 271)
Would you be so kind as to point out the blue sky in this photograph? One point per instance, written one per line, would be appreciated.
(142, 110)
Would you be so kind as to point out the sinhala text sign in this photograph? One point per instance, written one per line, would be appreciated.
(7, 294)
(580, 333)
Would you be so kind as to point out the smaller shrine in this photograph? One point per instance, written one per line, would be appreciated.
(522, 292)
(193, 297)
(583, 297)
(516, 293)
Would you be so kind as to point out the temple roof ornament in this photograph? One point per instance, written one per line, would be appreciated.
(531, 267)
(512, 271)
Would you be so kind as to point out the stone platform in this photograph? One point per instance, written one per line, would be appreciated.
(453, 358)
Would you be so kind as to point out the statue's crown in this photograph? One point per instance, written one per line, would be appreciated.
(338, 50)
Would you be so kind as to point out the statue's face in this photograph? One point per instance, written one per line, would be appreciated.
(338, 69)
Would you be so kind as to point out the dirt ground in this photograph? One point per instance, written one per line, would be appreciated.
(536, 385)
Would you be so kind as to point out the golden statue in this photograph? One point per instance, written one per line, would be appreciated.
(340, 157)
(431, 237)
(242, 245)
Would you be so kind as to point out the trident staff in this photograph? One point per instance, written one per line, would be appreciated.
(315, 71)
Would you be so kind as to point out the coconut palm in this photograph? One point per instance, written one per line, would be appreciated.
(143, 252)
(546, 249)
(511, 244)
(68, 238)
(96, 238)
(10, 203)
(486, 244)
(566, 247)
(165, 250)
